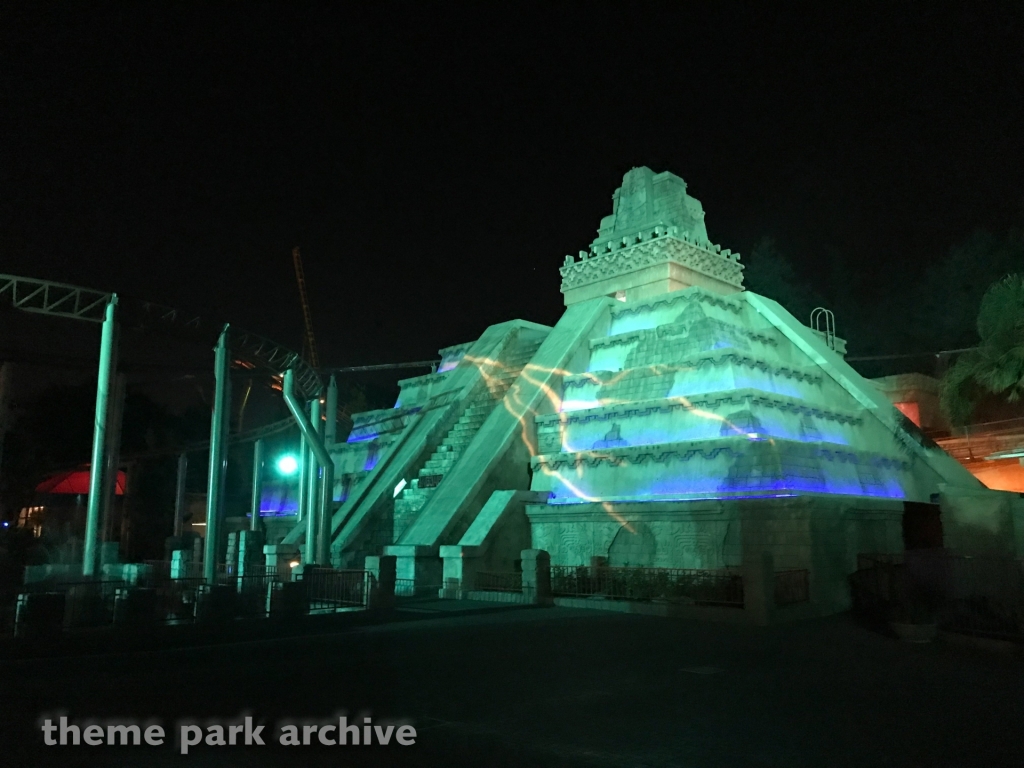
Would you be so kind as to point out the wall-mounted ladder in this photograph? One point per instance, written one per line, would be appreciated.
(821, 316)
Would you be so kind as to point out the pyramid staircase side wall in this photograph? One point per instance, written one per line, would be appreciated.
(499, 454)
(375, 497)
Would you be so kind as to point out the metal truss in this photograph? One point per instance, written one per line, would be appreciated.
(249, 350)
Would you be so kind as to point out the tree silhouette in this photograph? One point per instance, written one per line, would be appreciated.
(996, 365)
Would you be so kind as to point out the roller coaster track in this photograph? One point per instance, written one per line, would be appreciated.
(74, 302)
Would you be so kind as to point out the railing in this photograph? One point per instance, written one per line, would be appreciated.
(680, 585)
(176, 599)
(252, 591)
(976, 441)
(89, 603)
(792, 587)
(154, 598)
(980, 595)
(332, 589)
(498, 581)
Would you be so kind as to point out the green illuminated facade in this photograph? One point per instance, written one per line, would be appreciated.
(669, 419)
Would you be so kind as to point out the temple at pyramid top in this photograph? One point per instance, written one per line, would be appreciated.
(653, 242)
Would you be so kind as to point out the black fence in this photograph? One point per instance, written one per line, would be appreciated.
(498, 581)
(153, 598)
(978, 595)
(330, 589)
(678, 585)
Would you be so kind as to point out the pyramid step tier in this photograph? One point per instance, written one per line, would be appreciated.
(742, 412)
(728, 467)
(707, 372)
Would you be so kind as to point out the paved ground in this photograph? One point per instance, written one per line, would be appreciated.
(550, 687)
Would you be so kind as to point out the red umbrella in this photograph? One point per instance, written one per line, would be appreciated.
(75, 482)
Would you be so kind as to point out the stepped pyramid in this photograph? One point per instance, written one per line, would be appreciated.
(669, 419)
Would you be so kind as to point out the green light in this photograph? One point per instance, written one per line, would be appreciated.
(288, 465)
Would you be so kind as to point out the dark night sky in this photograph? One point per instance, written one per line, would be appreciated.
(436, 165)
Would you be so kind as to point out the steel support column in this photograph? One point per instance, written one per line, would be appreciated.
(323, 536)
(313, 439)
(179, 495)
(257, 484)
(113, 459)
(313, 519)
(219, 427)
(331, 425)
(100, 438)
(303, 482)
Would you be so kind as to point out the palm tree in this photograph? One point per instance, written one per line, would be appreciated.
(996, 365)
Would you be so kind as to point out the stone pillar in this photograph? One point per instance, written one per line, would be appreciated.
(250, 553)
(418, 566)
(231, 555)
(759, 588)
(537, 576)
(460, 566)
(181, 563)
(136, 574)
(381, 582)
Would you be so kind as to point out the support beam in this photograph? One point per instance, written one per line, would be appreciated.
(331, 426)
(219, 427)
(97, 469)
(313, 518)
(327, 486)
(179, 495)
(325, 510)
(257, 484)
(303, 502)
(113, 459)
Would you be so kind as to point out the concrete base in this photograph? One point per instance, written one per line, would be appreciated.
(415, 567)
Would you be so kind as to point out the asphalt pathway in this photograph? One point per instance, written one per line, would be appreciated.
(548, 687)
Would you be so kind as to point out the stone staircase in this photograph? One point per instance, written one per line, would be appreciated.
(416, 495)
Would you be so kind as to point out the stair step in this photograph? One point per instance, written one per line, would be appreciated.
(437, 466)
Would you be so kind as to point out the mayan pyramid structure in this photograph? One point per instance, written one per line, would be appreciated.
(669, 419)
